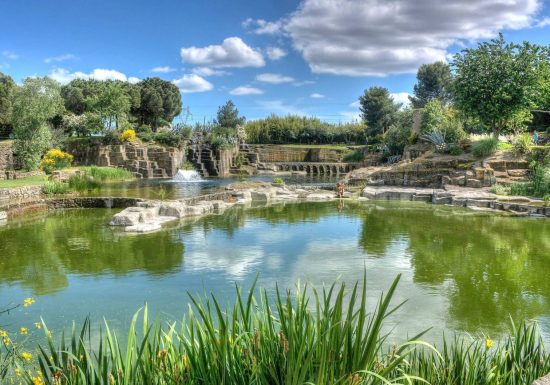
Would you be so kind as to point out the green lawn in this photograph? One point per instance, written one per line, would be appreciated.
(30, 181)
(324, 146)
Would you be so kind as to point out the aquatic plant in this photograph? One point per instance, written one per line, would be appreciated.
(108, 173)
(52, 188)
(327, 336)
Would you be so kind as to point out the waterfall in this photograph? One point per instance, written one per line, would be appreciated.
(187, 176)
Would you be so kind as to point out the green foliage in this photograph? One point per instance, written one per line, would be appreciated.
(35, 102)
(83, 182)
(7, 89)
(438, 118)
(522, 144)
(328, 336)
(433, 83)
(169, 138)
(228, 116)
(399, 135)
(538, 185)
(278, 180)
(354, 157)
(108, 173)
(378, 110)
(222, 137)
(485, 147)
(302, 130)
(160, 102)
(53, 188)
(497, 81)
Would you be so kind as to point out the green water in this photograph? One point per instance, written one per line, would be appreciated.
(461, 270)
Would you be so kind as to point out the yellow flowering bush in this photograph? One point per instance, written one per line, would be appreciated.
(55, 159)
(127, 135)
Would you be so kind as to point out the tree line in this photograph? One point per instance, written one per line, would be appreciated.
(491, 88)
(40, 110)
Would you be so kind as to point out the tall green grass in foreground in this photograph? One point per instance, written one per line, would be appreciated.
(314, 337)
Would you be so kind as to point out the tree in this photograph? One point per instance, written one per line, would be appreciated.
(434, 82)
(7, 87)
(378, 110)
(497, 81)
(228, 116)
(36, 102)
(160, 102)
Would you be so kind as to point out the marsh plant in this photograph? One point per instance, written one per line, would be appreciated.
(325, 336)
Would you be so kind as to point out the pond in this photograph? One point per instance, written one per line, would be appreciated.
(173, 189)
(462, 270)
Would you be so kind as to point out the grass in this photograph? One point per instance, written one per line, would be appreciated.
(108, 173)
(329, 336)
(342, 147)
(53, 188)
(36, 180)
(485, 147)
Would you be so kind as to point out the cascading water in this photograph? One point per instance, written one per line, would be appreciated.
(187, 176)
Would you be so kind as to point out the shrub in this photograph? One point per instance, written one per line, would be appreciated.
(355, 156)
(127, 135)
(485, 147)
(111, 137)
(51, 188)
(437, 138)
(278, 181)
(522, 144)
(55, 159)
(169, 138)
(453, 149)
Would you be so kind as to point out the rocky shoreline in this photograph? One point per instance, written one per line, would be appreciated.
(143, 215)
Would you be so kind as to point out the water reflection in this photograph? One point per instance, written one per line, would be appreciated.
(461, 270)
(41, 254)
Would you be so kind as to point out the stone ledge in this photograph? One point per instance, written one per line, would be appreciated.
(464, 197)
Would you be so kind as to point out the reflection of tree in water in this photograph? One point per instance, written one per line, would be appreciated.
(41, 254)
(493, 267)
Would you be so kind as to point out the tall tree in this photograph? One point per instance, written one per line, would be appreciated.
(160, 102)
(35, 103)
(497, 81)
(228, 116)
(433, 82)
(7, 87)
(378, 110)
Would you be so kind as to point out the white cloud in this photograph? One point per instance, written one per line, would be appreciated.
(351, 116)
(373, 37)
(263, 27)
(133, 80)
(163, 69)
(189, 83)
(233, 52)
(10, 55)
(543, 23)
(246, 90)
(274, 78)
(63, 76)
(60, 58)
(278, 106)
(303, 83)
(401, 97)
(275, 53)
(355, 104)
(317, 96)
(205, 71)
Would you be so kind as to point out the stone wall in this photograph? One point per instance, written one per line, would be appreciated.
(145, 161)
(6, 155)
(270, 153)
(18, 195)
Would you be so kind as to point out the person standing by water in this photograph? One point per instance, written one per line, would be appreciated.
(535, 137)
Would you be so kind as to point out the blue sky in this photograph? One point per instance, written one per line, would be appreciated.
(312, 57)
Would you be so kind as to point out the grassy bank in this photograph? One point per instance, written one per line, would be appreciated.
(36, 180)
(328, 336)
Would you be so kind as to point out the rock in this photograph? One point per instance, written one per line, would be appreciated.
(143, 228)
(543, 380)
(320, 197)
(172, 209)
(3, 216)
(475, 183)
(132, 216)
(260, 196)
